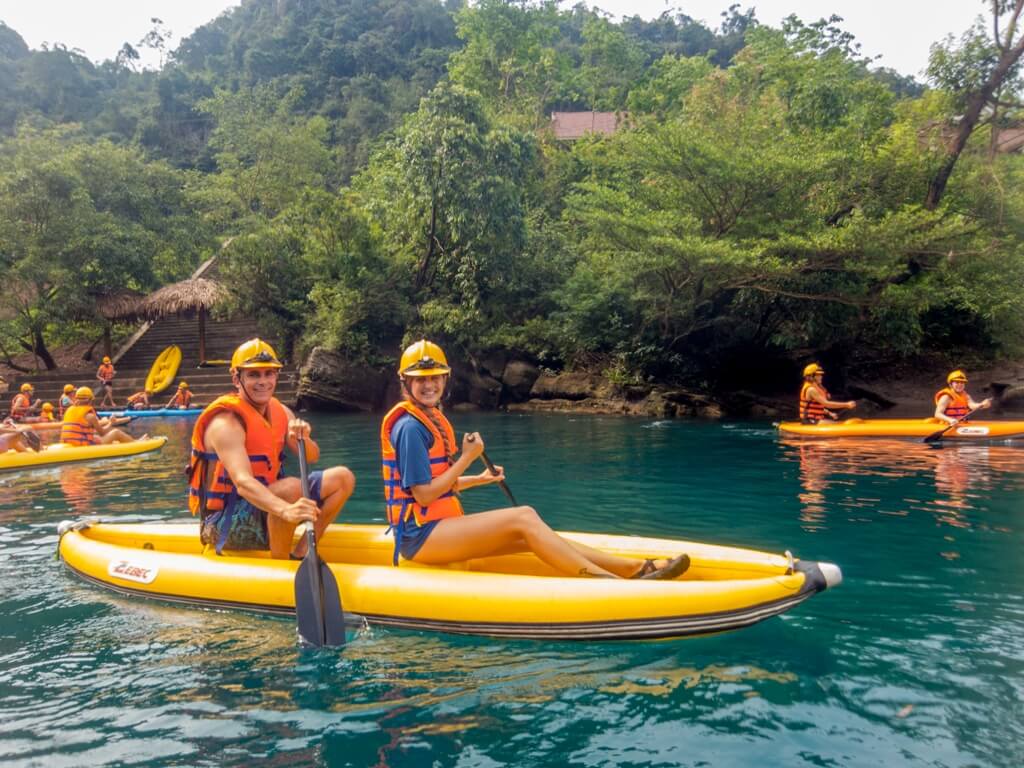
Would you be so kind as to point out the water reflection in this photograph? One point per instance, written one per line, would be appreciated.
(960, 474)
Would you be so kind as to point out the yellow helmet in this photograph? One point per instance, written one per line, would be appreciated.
(106, 359)
(69, 388)
(182, 385)
(47, 406)
(423, 358)
(957, 375)
(255, 353)
(83, 393)
(813, 370)
(26, 387)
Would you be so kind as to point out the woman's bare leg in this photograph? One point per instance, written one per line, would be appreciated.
(499, 530)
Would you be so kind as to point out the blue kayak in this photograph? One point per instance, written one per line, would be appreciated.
(154, 413)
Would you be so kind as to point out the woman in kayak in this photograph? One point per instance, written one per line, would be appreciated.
(952, 403)
(815, 404)
(422, 478)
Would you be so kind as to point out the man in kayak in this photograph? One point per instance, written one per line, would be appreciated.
(181, 398)
(18, 440)
(22, 406)
(105, 375)
(952, 403)
(82, 426)
(422, 478)
(139, 401)
(815, 404)
(235, 470)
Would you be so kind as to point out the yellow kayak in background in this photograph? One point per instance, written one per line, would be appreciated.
(60, 453)
(915, 428)
(508, 596)
(164, 369)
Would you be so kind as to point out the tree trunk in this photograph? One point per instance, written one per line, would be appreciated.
(975, 104)
(40, 350)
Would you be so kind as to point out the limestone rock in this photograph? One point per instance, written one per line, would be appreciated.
(518, 379)
(329, 381)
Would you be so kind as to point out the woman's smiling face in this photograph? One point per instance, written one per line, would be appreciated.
(427, 389)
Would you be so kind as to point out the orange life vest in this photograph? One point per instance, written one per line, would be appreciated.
(138, 397)
(181, 399)
(76, 430)
(401, 505)
(19, 406)
(958, 406)
(210, 486)
(63, 405)
(812, 410)
(105, 372)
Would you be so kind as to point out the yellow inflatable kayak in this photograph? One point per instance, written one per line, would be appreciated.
(507, 596)
(916, 428)
(59, 453)
(164, 369)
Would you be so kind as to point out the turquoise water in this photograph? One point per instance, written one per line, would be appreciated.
(915, 660)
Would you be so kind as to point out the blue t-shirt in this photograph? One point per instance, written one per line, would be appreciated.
(412, 442)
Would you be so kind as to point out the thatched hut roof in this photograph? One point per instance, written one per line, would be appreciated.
(186, 296)
(119, 305)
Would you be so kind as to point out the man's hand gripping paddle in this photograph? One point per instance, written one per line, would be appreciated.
(318, 610)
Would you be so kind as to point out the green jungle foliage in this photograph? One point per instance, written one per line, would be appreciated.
(382, 170)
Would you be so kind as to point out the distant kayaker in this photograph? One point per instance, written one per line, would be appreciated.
(139, 401)
(952, 403)
(105, 375)
(22, 406)
(47, 413)
(67, 399)
(181, 398)
(422, 477)
(82, 425)
(815, 404)
(18, 440)
(235, 475)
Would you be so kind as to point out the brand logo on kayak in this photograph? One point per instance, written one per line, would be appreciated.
(129, 571)
(967, 431)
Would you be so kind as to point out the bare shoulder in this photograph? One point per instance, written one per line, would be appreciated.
(224, 429)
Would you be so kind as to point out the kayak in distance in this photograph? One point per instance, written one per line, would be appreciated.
(156, 412)
(913, 428)
(60, 453)
(518, 596)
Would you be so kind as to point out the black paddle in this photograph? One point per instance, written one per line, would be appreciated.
(938, 435)
(491, 468)
(318, 611)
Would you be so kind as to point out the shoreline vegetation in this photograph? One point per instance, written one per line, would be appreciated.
(370, 174)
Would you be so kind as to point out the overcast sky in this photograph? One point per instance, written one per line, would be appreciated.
(901, 31)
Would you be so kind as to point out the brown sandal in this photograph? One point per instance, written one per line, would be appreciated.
(672, 569)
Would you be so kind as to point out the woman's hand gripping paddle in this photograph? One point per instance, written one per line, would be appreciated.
(938, 435)
(318, 610)
(491, 468)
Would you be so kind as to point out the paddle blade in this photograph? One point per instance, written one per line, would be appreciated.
(318, 611)
(936, 435)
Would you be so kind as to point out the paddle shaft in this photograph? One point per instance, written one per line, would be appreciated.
(493, 470)
(936, 435)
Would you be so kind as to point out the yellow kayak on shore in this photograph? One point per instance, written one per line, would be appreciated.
(508, 596)
(59, 453)
(164, 369)
(913, 428)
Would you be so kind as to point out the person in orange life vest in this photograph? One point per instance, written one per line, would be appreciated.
(139, 401)
(236, 485)
(815, 404)
(22, 406)
(47, 413)
(81, 425)
(422, 477)
(67, 399)
(181, 398)
(14, 439)
(952, 403)
(105, 375)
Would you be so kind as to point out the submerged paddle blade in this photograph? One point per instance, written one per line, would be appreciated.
(318, 605)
